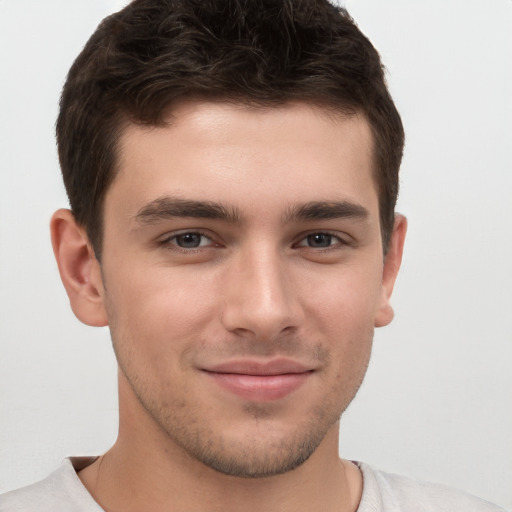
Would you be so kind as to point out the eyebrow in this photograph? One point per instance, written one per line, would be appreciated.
(168, 207)
(326, 210)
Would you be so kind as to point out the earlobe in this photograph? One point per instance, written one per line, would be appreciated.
(392, 261)
(79, 269)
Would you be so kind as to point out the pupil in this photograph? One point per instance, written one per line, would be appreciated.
(189, 240)
(319, 240)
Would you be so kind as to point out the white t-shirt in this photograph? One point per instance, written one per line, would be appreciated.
(63, 491)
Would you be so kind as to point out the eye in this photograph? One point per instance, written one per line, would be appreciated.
(189, 240)
(320, 241)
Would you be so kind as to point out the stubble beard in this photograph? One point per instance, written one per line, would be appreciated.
(265, 451)
(251, 456)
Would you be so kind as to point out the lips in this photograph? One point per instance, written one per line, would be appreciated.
(259, 381)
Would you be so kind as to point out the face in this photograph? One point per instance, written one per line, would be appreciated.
(242, 273)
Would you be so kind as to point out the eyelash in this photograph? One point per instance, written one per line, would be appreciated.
(167, 242)
(339, 241)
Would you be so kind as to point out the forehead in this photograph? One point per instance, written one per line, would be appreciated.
(275, 156)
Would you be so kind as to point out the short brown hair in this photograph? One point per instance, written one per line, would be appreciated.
(153, 53)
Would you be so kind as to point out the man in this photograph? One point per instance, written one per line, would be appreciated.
(232, 169)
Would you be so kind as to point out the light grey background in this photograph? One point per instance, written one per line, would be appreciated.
(437, 401)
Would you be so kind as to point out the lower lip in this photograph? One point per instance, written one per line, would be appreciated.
(260, 387)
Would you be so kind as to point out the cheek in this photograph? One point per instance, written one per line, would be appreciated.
(342, 312)
(343, 299)
(157, 313)
(163, 292)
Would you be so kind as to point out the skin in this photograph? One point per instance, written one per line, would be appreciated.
(216, 251)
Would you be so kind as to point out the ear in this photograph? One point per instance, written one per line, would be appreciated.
(79, 269)
(392, 261)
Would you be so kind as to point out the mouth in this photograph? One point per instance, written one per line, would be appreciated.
(260, 381)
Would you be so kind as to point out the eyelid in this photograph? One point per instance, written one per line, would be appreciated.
(166, 240)
(343, 239)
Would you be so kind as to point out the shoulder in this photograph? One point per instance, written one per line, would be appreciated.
(61, 491)
(388, 492)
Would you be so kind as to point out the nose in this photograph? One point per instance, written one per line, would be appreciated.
(260, 296)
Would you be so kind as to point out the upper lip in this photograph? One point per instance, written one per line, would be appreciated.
(279, 366)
